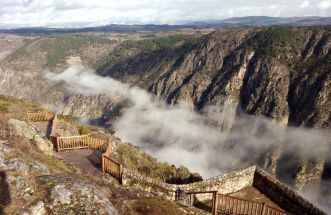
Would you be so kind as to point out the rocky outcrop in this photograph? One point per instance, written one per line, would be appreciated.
(32, 181)
(24, 129)
(67, 196)
(36, 209)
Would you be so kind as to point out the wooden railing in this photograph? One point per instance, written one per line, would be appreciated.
(97, 143)
(73, 142)
(79, 142)
(224, 204)
(213, 197)
(40, 116)
(269, 210)
(30, 116)
(233, 205)
(109, 165)
(54, 124)
(112, 167)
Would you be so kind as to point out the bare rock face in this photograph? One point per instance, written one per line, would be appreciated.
(282, 73)
(37, 209)
(69, 197)
(22, 128)
(265, 90)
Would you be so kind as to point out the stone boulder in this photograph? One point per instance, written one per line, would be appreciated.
(24, 129)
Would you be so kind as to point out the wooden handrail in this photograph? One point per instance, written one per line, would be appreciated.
(78, 142)
(112, 160)
(32, 116)
(214, 198)
(68, 137)
(112, 167)
(40, 116)
(200, 192)
(235, 205)
(226, 204)
(276, 209)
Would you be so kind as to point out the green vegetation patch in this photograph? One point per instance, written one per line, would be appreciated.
(58, 46)
(159, 42)
(271, 40)
(66, 118)
(21, 51)
(83, 130)
(147, 45)
(134, 158)
(12, 104)
(4, 106)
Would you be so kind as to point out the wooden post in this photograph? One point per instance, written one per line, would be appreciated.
(54, 123)
(58, 144)
(103, 163)
(191, 199)
(263, 208)
(121, 174)
(214, 210)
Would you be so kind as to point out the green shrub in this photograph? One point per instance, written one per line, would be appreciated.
(66, 118)
(271, 40)
(19, 105)
(58, 46)
(134, 158)
(146, 45)
(83, 130)
(4, 106)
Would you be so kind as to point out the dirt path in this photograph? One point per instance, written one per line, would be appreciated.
(88, 161)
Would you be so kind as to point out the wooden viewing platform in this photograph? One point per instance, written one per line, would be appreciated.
(225, 204)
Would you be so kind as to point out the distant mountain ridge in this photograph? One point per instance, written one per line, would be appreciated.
(265, 21)
(226, 23)
(106, 28)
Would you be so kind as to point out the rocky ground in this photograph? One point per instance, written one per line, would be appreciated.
(36, 180)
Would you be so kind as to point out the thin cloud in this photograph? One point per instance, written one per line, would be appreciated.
(324, 5)
(78, 13)
(304, 4)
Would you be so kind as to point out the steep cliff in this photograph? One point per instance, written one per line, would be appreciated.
(282, 73)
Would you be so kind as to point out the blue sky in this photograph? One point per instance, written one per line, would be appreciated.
(76, 13)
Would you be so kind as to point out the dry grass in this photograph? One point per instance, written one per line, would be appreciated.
(11, 104)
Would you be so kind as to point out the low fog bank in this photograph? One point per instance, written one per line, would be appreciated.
(221, 140)
(179, 135)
